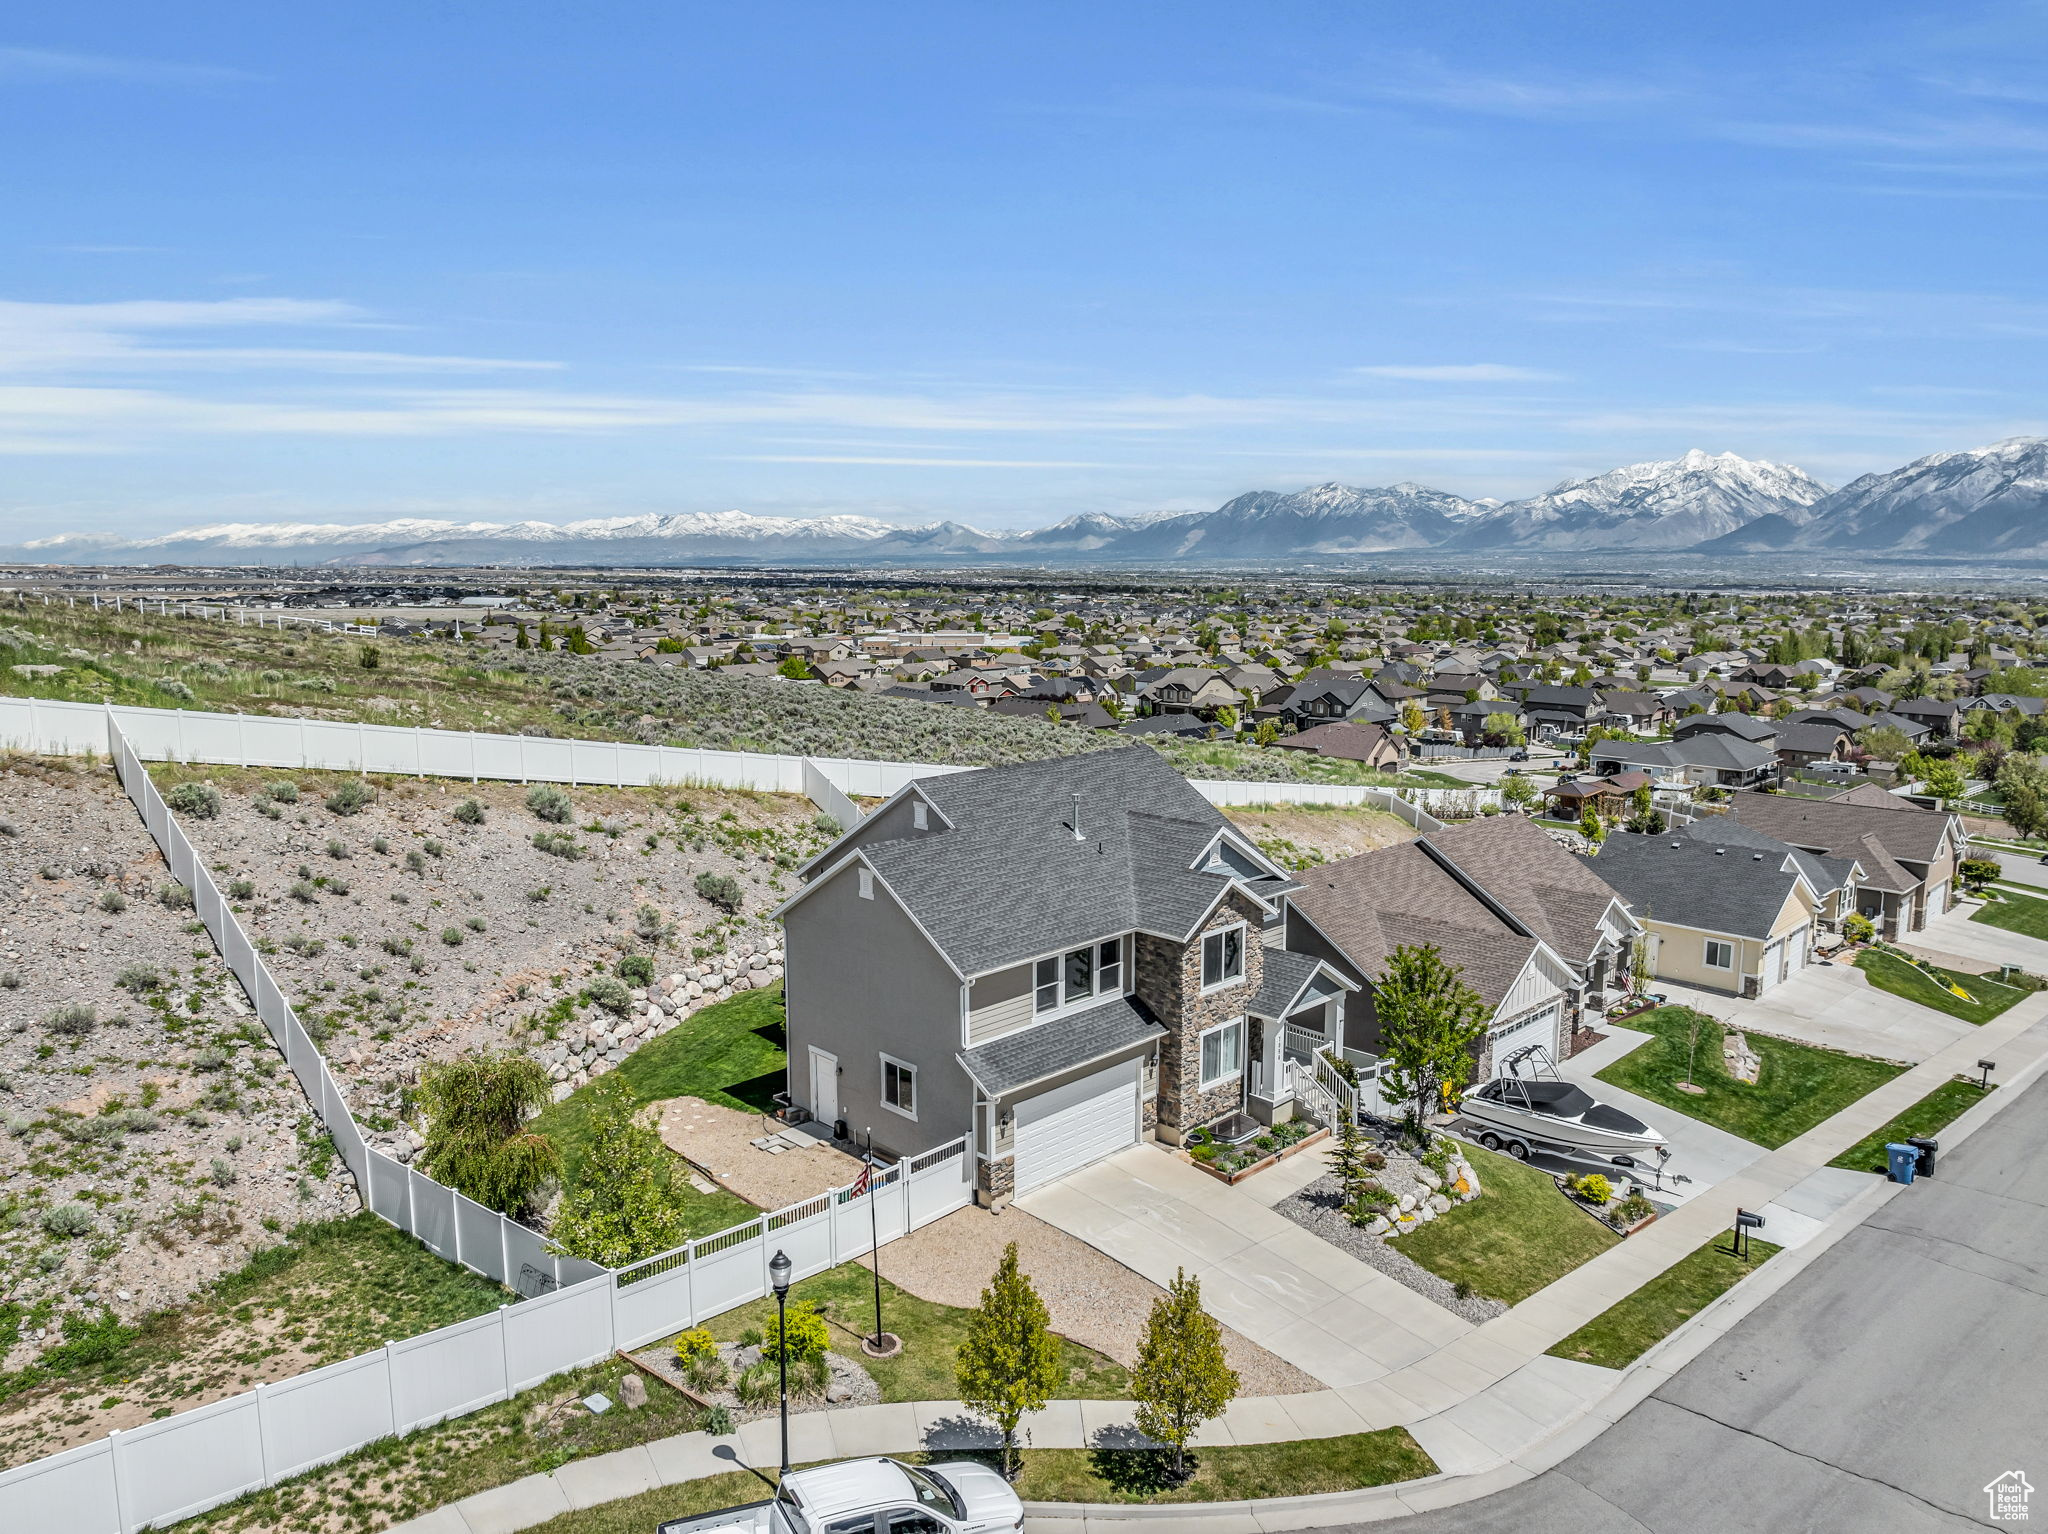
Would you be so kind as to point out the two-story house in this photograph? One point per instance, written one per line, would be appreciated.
(1056, 958)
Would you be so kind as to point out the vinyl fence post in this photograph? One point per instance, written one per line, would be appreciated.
(263, 1432)
(391, 1390)
(505, 1348)
(122, 1497)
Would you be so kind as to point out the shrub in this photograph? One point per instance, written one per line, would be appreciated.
(74, 1020)
(717, 1421)
(806, 1336)
(211, 1058)
(337, 886)
(607, 993)
(241, 889)
(379, 844)
(351, 798)
(283, 790)
(175, 897)
(303, 891)
(10, 981)
(558, 844)
(475, 924)
(113, 902)
(137, 978)
(223, 1172)
(636, 969)
(1633, 1208)
(549, 803)
(201, 801)
(336, 847)
(68, 1221)
(759, 1386)
(649, 926)
(1858, 928)
(1592, 1187)
(697, 1342)
(433, 847)
(470, 813)
(722, 890)
(452, 936)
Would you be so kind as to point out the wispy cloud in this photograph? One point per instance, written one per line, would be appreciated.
(54, 65)
(1458, 372)
(1430, 82)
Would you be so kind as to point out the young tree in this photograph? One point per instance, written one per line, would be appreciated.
(1430, 1021)
(1413, 719)
(1503, 730)
(1267, 733)
(1943, 779)
(1518, 791)
(1347, 1158)
(795, 667)
(1010, 1362)
(621, 1206)
(477, 1140)
(1183, 1378)
(1590, 827)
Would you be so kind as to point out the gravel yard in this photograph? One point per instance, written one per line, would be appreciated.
(1318, 1208)
(1093, 1298)
(720, 1141)
(138, 1093)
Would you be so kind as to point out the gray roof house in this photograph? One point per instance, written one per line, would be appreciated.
(1055, 959)
(1710, 758)
(1909, 856)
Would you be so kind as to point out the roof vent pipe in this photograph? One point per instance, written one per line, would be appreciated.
(1076, 821)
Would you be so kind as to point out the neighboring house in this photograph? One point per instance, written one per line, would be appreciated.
(1351, 741)
(1725, 907)
(1058, 958)
(1703, 758)
(1909, 855)
(1193, 690)
(1562, 713)
(1801, 745)
(1312, 703)
(1936, 715)
(1642, 712)
(1532, 928)
(1758, 732)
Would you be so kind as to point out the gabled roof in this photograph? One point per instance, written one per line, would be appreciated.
(1557, 895)
(1741, 726)
(1292, 980)
(1825, 874)
(1005, 879)
(1703, 882)
(1876, 828)
(1399, 896)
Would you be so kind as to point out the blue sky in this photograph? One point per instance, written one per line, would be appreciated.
(996, 263)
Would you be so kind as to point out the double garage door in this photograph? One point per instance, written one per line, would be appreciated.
(1063, 1130)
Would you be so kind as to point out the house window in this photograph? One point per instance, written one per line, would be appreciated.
(919, 816)
(1109, 967)
(1720, 955)
(1222, 1053)
(1046, 985)
(1080, 973)
(867, 884)
(899, 1086)
(1222, 958)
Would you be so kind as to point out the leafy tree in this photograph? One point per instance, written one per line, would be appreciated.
(1267, 733)
(1978, 872)
(476, 1109)
(1413, 719)
(1503, 730)
(1518, 791)
(1227, 717)
(1884, 743)
(795, 667)
(621, 1207)
(1010, 1362)
(1943, 779)
(1590, 826)
(578, 643)
(1430, 1024)
(1183, 1378)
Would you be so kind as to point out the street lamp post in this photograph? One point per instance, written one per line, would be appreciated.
(778, 1275)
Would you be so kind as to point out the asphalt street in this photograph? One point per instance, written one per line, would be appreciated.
(1880, 1391)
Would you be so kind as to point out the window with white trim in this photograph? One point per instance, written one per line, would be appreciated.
(899, 1086)
(1222, 1052)
(1078, 975)
(919, 816)
(1109, 967)
(1045, 985)
(1223, 958)
(867, 884)
(1720, 955)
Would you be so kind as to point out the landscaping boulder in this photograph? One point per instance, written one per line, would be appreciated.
(1407, 1202)
(632, 1392)
(1439, 1203)
(1428, 1178)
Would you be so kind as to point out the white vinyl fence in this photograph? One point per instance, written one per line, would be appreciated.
(572, 1312)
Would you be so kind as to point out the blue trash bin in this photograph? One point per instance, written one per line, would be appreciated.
(1905, 1161)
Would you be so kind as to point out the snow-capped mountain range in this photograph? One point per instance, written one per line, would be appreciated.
(1989, 500)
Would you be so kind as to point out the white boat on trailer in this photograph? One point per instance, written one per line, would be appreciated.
(1521, 1113)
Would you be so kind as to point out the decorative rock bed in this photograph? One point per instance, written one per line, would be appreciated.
(848, 1384)
(1420, 1196)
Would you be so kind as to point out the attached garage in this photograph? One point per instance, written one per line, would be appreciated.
(1539, 1027)
(1063, 1130)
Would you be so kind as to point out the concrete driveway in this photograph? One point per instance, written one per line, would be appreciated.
(1290, 1292)
(1955, 936)
(1701, 1155)
(1834, 1006)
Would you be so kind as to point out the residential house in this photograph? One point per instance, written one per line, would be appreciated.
(1193, 690)
(1641, 713)
(1937, 715)
(1309, 704)
(1057, 958)
(1801, 745)
(1725, 907)
(1712, 759)
(1560, 713)
(1349, 741)
(1909, 855)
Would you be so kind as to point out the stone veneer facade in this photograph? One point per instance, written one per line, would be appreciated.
(1169, 981)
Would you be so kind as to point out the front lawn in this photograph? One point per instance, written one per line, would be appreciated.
(1888, 972)
(1080, 1475)
(1517, 1236)
(931, 1334)
(1937, 1110)
(2015, 913)
(1630, 1327)
(1797, 1087)
(730, 1053)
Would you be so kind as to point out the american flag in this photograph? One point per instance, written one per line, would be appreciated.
(860, 1183)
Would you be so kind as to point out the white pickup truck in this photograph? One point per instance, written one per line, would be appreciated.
(873, 1496)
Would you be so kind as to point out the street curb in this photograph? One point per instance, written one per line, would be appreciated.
(1631, 1387)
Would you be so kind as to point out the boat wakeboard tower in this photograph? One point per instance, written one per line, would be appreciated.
(1529, 1107)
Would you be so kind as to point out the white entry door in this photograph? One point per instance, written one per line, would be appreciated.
(1065, 1129)
(824, 1085)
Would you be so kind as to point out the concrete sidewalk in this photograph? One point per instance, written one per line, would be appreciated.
(1488, 1406)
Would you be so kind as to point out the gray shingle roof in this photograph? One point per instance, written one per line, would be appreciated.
(1825, 874)
(1018, 1059)
(1697, 882)
(1556, 894)
(1010, 881)
(1284, 976)
(1866, 823)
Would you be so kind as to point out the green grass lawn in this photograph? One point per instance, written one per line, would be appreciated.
(1798, 1086)
(1630, 1327)
(931, 1334)
(1888, 972)
(1517, 1236)
(1080, 1475)
(1937, 1110)
(2015, 913)
(729, 1053)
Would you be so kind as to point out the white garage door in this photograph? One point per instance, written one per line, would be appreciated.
(1063, 1130)
(1537, 1028)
